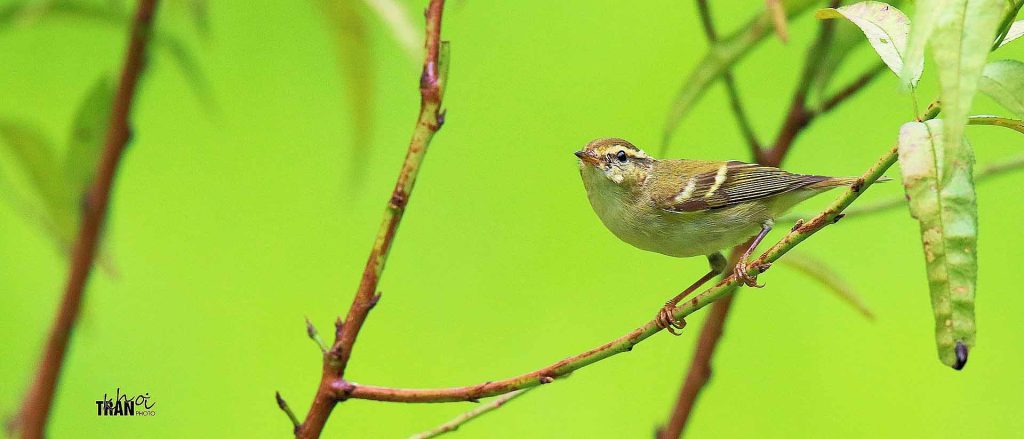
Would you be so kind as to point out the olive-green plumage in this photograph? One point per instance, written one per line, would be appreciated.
(688, 208)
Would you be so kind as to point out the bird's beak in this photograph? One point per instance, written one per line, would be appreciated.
(587, 157)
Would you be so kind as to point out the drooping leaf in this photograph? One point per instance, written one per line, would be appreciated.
(960, 42)
(1013, 124)
(188, 65)
(778, 14)
(1016, 31)
(402, 28)
(940, 193)
(885, 27)
(88, 131)
(33, 155)
(719, 58)
(926, 15)
(1003, 80)
(818, 270)
(351, 40)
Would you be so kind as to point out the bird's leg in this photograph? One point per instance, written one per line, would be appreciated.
(665, 318)
(741, 267)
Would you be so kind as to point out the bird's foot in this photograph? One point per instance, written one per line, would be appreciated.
(665, 319)
(744, 276)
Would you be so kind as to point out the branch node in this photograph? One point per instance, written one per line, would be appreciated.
(546, 379)
(398, 199)
(857, 185)
(838, 217)
(374, 300)
(796, 226)
(343, 389)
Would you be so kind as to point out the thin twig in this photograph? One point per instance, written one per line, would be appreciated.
(852, 88)
(344, 390)
(460, 420)
(35, 409)
(287, 411)
(983, 173)
(746, 128)
(432, 82)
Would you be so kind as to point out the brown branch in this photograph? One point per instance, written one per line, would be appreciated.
(35, 409)
(700, 369)
(432, 82)
(742, 120)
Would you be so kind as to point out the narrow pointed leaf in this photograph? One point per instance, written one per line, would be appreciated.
(942, 199)
(960, 44)
(719, 58)
(88, 131)
(818, 270)
(1016, 31)
(33, 155)
(402, 28)
(778, 13)
(351, 40)
(926, 15)
(1003, 80)
(885, 27)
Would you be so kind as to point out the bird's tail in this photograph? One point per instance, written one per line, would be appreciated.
(831, 182)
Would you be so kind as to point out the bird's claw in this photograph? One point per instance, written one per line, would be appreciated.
(751, 281)
(666, 320)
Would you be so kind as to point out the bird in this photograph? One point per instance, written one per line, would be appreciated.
(685, 208)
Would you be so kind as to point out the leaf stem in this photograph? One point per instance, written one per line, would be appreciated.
(35, 409)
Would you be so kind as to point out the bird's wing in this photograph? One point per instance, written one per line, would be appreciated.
(731, 183)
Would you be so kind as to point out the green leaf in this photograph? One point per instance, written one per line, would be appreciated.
(719, 58)
(407, 34)
(940, 192)
(88, 132)
(1016, 31)
(1013, 124)
(960, 42)
(33, 155)
(351, 40)
(1003, 80)
(885, 27)
(818, 270)
(926, 15)
(443, 59)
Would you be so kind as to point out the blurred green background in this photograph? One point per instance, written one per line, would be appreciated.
(231, 223)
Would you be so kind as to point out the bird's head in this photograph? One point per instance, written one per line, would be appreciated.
(616, 160)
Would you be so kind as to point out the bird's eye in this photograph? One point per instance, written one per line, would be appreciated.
(621, 156)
